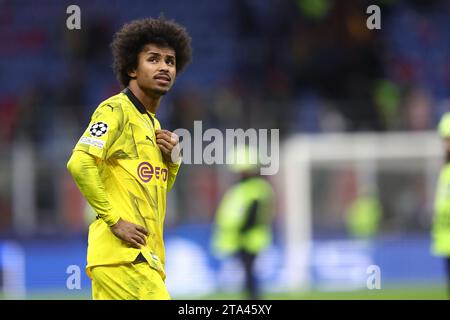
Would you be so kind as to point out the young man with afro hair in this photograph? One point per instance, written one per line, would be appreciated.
(125, 163)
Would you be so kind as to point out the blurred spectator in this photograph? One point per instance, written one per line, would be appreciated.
(9, 113)
(364, 216)
(387, 97)
(418, 109)
(244, 217)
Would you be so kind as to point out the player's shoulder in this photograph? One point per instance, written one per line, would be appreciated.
(117, 101)
(115, 106)
(261, 184)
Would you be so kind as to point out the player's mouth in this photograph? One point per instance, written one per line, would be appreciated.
(162, 79)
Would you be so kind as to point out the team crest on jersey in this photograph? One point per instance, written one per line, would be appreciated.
(98, 129)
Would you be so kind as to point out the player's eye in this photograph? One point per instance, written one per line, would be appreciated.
(170, 62)
(153, 59)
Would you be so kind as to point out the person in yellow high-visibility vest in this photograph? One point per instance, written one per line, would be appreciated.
(364, 216)
(441, 219)
(244, 216)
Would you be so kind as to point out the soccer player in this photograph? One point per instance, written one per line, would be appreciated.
(124, 163)
(441, 221)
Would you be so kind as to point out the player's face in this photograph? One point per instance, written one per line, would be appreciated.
(156, 70)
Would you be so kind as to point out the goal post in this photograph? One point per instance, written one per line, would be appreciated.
(367, 154)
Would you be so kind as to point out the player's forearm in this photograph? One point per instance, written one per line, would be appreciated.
(84, 171)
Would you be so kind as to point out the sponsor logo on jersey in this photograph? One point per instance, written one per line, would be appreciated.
(146, 172)
(93, 142)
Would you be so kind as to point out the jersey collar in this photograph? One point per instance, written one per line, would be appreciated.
(137, 103)
(135, 100)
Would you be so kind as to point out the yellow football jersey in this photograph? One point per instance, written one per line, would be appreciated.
(121, 135)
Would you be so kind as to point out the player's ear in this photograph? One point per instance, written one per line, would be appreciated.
(132, 73)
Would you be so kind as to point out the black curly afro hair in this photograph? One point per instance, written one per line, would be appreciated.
(134, 36)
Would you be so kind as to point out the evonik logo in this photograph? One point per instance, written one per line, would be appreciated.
(146, 172)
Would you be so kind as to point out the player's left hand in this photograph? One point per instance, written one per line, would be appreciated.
(169, 143)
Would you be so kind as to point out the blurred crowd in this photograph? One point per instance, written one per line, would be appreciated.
(303, 66)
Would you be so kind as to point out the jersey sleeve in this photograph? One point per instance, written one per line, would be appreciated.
(103, 130)
(173, 171)
(85, 173)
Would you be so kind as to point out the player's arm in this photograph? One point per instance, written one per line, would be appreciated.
(94, 146)
(169, 144)
(84, 171)
(83, 168)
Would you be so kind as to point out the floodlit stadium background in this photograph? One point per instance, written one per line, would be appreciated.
(356, 109)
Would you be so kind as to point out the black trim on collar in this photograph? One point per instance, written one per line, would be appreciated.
(135, 100)
(137, 103)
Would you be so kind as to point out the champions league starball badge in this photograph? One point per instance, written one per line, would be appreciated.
(98, 129)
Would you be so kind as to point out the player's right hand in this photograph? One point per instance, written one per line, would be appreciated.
(133, 234)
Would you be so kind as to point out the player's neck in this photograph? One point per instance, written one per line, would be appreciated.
(149, 100)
